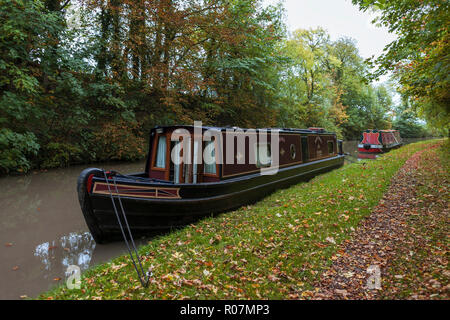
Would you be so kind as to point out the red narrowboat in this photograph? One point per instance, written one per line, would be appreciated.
(376, 142)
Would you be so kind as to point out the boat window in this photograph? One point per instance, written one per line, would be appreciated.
(330, 147)
(210, 158)
(262, 155)
(160, 161)
(293, 151)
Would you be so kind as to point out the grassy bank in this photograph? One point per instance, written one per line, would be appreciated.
(274, 249)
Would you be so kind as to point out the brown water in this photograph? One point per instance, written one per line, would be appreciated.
(42, 230)
(351, 148)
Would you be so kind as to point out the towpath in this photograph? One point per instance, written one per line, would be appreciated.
(400, 251)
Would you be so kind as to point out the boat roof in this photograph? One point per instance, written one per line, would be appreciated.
(376, 130)
(223, 129)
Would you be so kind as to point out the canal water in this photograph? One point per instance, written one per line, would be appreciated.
(42, 230)
(351, 148)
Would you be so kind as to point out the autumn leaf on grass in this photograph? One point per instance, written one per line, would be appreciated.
(273, 278)
(177, 255)
(215, 240)
(117, 267)
(206, 273)
(9, 244)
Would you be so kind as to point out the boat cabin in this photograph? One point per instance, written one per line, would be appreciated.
(212, 154)
(378, 141)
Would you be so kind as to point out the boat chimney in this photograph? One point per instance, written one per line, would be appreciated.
(318, 130)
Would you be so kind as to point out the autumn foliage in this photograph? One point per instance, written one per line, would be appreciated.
(85, 80)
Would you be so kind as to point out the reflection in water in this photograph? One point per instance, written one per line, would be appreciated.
(351, 149)
(77, 249)
(372, 156)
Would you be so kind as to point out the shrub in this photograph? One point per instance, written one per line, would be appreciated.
(15, 150)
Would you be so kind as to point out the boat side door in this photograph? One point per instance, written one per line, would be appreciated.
(305, 153)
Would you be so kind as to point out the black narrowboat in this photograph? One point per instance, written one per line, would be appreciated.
(194, 171)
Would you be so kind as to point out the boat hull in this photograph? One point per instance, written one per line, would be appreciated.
(155, 206)
(376, 149)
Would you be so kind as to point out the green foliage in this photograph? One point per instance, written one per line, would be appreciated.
(325, 85)
(420, 57)
(59, 155)
(407, 123)
(119, 141)
(89, 79)
(15, 149)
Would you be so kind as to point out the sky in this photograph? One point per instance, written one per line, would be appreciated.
(340, 18)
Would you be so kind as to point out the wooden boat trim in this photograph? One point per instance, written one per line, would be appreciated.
(131, 188)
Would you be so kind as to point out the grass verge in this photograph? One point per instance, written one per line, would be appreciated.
(274, 249)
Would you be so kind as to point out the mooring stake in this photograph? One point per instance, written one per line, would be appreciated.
(144, 278)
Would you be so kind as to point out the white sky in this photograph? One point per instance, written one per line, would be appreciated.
(339, 18)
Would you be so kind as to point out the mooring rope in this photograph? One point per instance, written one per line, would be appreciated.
(144, 278)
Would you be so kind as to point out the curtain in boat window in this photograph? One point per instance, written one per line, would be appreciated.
(161, 153)
(210, 157)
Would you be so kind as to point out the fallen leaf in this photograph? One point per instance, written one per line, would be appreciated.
(206, 273)
(341, 291)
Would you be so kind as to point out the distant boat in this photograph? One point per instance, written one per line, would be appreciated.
(170, 194)
(376, 142)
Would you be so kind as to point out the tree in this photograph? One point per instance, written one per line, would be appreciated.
(420, 57)
(22, 48)
(407, 123)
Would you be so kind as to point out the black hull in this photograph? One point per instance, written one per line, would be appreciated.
(147, 216)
